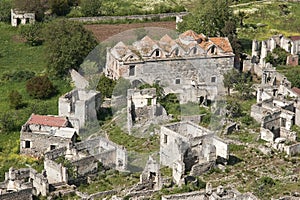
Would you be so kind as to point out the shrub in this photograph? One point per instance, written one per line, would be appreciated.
(15, 99)
(40, 87)
(32, 33)
(5, 6)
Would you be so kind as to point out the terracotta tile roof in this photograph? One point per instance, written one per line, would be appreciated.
(296, 90)
(295, 38)
(48, 120)
(223, 43)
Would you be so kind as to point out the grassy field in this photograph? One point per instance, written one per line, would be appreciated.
(265, 19)
(16, 56)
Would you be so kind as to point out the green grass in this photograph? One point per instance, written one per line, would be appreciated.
(132, 143)
(15, 55)
(110, 181)
(269, 14)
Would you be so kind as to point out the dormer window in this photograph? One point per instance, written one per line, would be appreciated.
(176, 52)
(157, 53)
(194, 50)
(212, 50)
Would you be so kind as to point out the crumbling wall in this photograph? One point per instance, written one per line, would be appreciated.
(56, 173)
(39, 182)
(200, 168)
(172, 146)
(293, 149)
(40, 143)
(19, 195)
(55, 153)
(222, 148)
(86, 165)
(266, 135)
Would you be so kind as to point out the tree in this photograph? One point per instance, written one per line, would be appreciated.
(40, 87)
(121, 87)
(32, 33)
(233, 108)
(36, 6)
(5, 6)
(15, 99)
(91, 8)
(207, 17)
(60, 7)
(244, 85)
(67, 44)
(106, 86)
(230, 78)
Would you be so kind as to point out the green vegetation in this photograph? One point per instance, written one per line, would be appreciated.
(19, 62)
(40, 87)
(109, 180)
(291, 73)
(207, 17)
(264, 19)
(277, 57)
(132, 143)
(67, 44)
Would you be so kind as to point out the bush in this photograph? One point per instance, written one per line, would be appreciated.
(32, 33)
(5, 6)
(40, 87)
(15, 99)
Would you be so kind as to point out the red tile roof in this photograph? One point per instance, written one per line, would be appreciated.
(296, 90)
(222, 42)
(48, 120)
(295, 38)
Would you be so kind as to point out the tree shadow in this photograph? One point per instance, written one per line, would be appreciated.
(233, 160)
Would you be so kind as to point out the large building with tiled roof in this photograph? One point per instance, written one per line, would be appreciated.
(191, 65)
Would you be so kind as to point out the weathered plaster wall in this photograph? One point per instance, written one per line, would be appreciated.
(56, 173)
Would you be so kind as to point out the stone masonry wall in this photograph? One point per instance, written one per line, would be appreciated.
(20, 195)
(40, 143)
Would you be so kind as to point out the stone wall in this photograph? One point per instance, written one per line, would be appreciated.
(55, 153)
(197, 195)
(292, 149)
(86, 165)
(222, 148)
(130, 17)
(266, 135)
(39, 182)
(19, 195)
(199, 168)
(192, 118)
(40, 143)
(56, 173)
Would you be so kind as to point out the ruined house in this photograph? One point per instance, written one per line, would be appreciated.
(277, 109)
(212, 194)
(191, 65)
(185, 146)
(23, 184)
(289, 44)
(42, 133)
(21, 17)
(79, 104)
(142, 106)
(84, 157)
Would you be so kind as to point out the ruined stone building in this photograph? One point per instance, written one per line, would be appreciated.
(21, 17)
(185, 146)
(142, 106)
(84, 157)
(43, 133)
(212, 194)
(191, 65)
(80, 104)
(23, 184)
(277, 109)
(289, 44)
